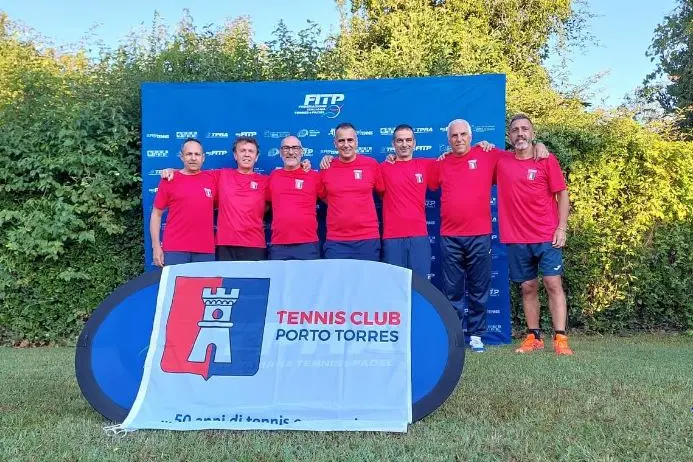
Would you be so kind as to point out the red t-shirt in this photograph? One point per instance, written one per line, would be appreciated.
(527, 207)
(294, 194)
(404, 212)
(190, 220)
(349, 187)
(241, 208)
(465, 205)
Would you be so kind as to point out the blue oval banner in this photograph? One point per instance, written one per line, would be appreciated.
(351, 345)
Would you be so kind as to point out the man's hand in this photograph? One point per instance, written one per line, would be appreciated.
(167, 174)
(485, 146)
(390, 159)
(305, 165)
(559, 238)
(325, 162)
(158, 254)
(540, 151)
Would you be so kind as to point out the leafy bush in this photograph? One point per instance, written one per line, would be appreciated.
(70, 212)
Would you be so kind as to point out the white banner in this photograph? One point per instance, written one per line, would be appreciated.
(298, 345)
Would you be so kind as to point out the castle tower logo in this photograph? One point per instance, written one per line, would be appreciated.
(215, 327)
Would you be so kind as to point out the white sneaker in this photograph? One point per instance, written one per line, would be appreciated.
(476, 344)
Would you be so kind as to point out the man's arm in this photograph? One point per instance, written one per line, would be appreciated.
(379, 182)
(325, 162)
(433, 174)
(320, 187)
(155, 233)
(559, 236)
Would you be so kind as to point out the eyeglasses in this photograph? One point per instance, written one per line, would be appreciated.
(291, 148)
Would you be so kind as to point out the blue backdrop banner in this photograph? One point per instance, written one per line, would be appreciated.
(237, 346)
(216, 113)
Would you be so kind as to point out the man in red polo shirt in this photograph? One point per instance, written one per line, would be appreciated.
(533, 208)
(294, 192)
(405, 234)
(466, 176)
(242, 206)
(352, 222)
(189, 233)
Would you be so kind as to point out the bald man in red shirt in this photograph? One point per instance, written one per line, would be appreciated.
(189, 233)
(294, 192)
(352, 222)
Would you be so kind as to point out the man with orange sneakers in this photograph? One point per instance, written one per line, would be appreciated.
(533, 210)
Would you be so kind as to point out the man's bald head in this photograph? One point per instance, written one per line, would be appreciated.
(291, 152)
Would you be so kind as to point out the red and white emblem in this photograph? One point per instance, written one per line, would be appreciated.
(298, 184)
(358, 174)
(472, 164)
(208, 192)
(253, 185)
(531, 174)
(419, 177)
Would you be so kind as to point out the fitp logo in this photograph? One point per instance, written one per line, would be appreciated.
(325, 104)
(215, 326)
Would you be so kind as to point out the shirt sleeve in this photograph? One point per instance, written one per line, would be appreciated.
(555, 174)
(433, 175)
(320, 186)
(216, 174)
(498, 153)
(268, 190)
(162, 194)
(379, 182)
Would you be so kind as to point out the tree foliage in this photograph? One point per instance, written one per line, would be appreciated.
(70, 212)
(672, 50)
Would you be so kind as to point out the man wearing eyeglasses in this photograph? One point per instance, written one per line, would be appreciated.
(294, 192)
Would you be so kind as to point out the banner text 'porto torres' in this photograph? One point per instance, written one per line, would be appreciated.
(314, 345)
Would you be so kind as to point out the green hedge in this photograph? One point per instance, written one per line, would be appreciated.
(629, 254)
(70, 211)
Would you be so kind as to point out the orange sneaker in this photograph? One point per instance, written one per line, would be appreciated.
(560, 345)
(529, 344)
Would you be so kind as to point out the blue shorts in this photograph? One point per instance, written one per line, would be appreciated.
(307, 251)
(178, 258)
(409, 252)
(363, 249)
(525, 260)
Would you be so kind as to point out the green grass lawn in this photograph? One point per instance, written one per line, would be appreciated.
(616, 399)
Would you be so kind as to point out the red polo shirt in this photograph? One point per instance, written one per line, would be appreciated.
(466, 182)
(404, 212)
(294, 194)
(349, 188)
(190, 220)
(527, 206)
(241, 208)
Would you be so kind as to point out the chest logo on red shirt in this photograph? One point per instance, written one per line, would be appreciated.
(253, 185)
(531, 174)
(472, 164)
(419, 177)
(358, 174)
(298, 184)
(208, 192)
